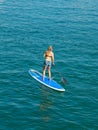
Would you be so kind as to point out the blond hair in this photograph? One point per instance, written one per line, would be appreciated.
(50, 48)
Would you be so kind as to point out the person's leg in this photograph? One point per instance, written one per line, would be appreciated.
(49, 72)
(44, 72)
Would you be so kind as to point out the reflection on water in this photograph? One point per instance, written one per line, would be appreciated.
(45, 104)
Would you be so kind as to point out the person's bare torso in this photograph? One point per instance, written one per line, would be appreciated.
(48, 55)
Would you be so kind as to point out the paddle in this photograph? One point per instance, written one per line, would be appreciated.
(62, 78)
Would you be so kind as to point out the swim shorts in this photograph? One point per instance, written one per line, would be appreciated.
(47, 63)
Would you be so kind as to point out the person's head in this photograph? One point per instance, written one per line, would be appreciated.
(50, 48)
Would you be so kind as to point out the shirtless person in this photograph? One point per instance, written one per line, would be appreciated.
(49, 59)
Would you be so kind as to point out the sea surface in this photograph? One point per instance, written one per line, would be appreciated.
(27, 28)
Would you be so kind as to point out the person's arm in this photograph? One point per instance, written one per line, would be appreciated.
(44, 54)
(53, 58)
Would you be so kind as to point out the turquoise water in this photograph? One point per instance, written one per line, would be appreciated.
(27, 28)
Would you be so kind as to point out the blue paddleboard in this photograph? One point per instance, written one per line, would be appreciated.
(49, 83)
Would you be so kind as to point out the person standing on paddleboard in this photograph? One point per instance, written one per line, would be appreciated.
(49, 59)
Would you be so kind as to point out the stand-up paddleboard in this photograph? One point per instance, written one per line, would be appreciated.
(49, 83)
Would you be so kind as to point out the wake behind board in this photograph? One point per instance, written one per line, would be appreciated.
(49, 83)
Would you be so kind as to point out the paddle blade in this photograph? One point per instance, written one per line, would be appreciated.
(64, 80)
